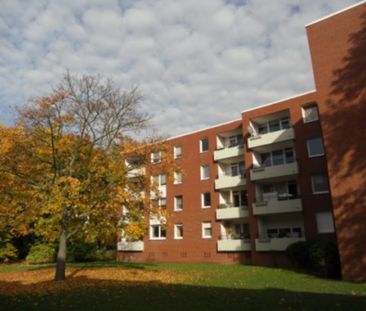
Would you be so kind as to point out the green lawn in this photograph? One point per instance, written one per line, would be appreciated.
(205, 287)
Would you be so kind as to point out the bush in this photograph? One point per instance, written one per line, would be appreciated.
(41, 253)
(320, 257)
(81, 252)
(298, 253)
(8, 252)
(324, 259)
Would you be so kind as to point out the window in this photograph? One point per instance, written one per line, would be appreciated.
(159, 180)
(285, 123)
(277, 157)
(156, 157)
(274, 125)
(324, 222)
(204, 144)
(239, 198)
(237, 169)
(319, 183)
(177, 151)
(236, 140)
(205, 172)
(159, 202)
(206, 230)
(310, 113)
(177, 178)
(206, 200)
(178, 203)
(178, 231)
(157, 232)
(315, 147)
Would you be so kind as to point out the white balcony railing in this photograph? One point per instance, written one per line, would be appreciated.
(227, 153)
(233, 245)
(266, 172)
(275, 244)
(271, 138)
(225, 181)
(136, 172)
(135, 246)
(277, 206)
(228, 211)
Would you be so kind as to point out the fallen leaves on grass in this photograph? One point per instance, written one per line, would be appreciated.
(41, 281)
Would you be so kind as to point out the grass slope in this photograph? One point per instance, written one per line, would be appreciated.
(113, 286)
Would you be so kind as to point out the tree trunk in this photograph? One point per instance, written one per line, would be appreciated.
(61, 257)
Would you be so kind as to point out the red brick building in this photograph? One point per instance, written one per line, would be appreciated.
(284, 172)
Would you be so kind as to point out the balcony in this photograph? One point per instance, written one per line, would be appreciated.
(227, 153)
(266, 172)
(271, 138)
(230, 181)
(275, 244)
(233, 245)
(129, 246)
(136, 172)
(227, 211)
(277, 206)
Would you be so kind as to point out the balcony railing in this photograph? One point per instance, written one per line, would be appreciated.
(230, 151)
(276, 242)
(233, 243)
(130, 246)
(278, 205)
(271, 138)
(227, 181)
(229, 211)
(266, 172)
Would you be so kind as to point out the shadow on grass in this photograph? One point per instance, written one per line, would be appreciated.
(94, 294)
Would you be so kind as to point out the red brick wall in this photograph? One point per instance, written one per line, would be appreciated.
(338, 51)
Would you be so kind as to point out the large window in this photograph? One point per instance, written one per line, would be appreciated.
(207, 230)
(178, 203)
(177, 177)
(239, 198)
(310, 113)
(236, 140)
(177, 151)
(157, 232)
(206, 200)
(274, 125)
(315, 147)
(204, 144)
(159, 180)
(205, 171)
(178, 231)
(324, 222)
(159, 202)
(319, 183)
(277, 157)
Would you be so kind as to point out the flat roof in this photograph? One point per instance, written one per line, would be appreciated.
(335, 13)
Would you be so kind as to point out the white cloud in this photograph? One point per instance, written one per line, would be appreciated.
(197, 63)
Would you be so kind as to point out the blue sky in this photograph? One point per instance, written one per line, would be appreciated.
(196, 62)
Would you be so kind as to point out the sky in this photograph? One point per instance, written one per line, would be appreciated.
(197, 63)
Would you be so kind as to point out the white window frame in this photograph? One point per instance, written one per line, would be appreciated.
(203, 200)
(303, 112)
(178, 178)
(176, 154)
(161, 179)
(156, 159)
(160, 237)
(202, 171)
(176, 199)
(312, 184)
(324, 222)
(308, 147)
(201, 145)
(161, 202)
(206, 225)
(176, 230)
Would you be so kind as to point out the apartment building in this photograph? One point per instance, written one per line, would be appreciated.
(287, 171)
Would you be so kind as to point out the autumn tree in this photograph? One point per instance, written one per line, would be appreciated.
(66, 160)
